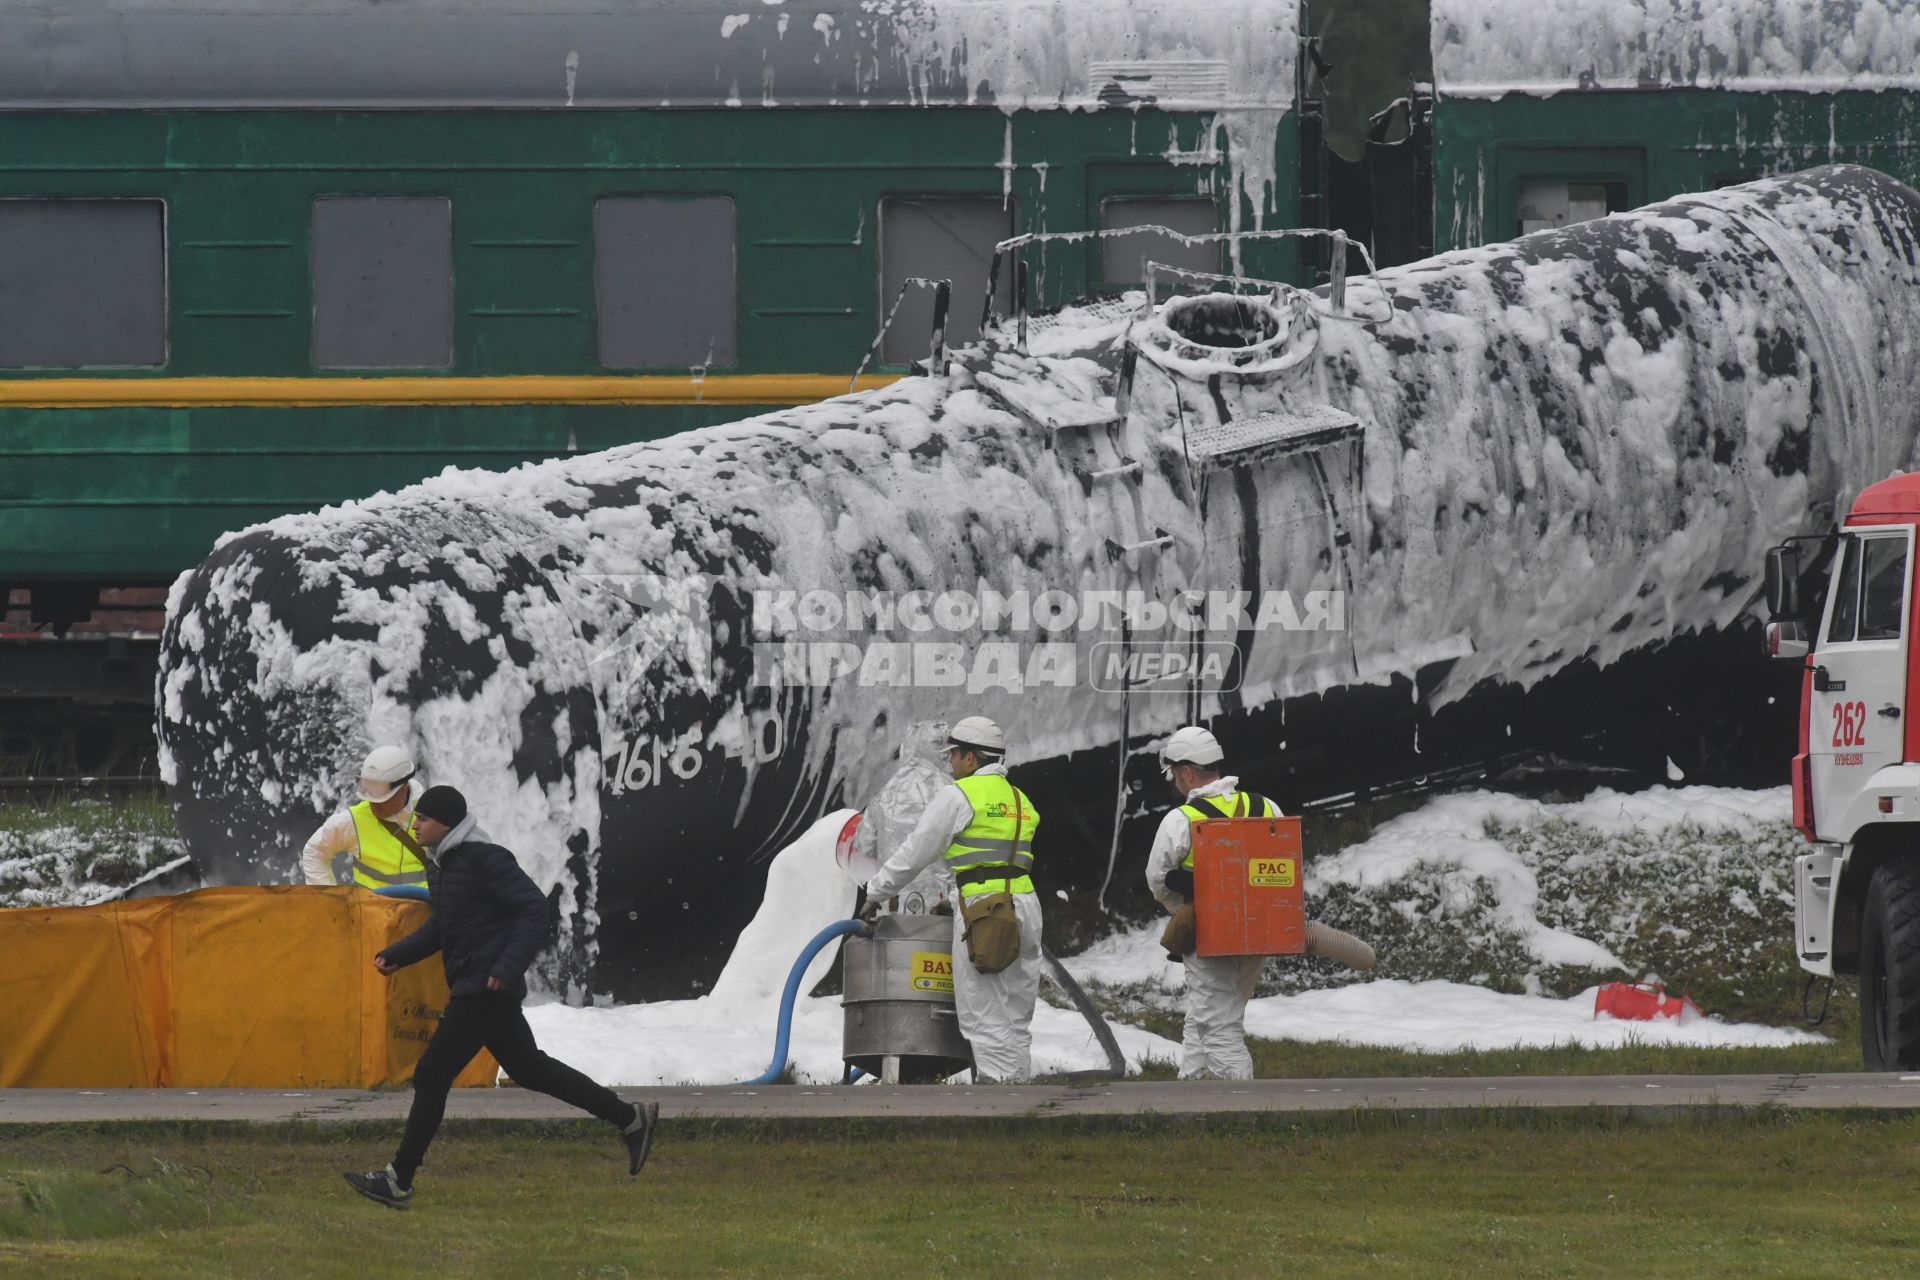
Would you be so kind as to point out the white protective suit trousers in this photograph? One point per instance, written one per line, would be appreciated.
(996, 1009)
(1214, 1042)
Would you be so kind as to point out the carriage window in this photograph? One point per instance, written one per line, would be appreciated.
(947, 238)
(83, 283)
(663, 280)
(1541, 206)
(382, 282)
(1883, 588)
(1846, 595)
(1123, 259)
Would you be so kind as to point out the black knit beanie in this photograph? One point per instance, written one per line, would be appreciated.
(443, 805)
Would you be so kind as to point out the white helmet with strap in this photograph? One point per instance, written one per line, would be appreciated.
(1191, 745)
(977, 733)
(383, 772)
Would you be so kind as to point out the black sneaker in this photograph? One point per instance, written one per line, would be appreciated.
(382, 1185)
(638, 1135)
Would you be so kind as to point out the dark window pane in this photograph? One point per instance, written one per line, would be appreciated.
(1883, 588)
(1123, 259)
(663, 276)
(383, 282)
(948, 238)
(1846, 595)
(83, 283)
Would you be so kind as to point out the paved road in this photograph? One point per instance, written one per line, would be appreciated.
(1644, 1093)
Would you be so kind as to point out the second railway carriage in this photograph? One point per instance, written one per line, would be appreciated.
(1547, 114)
(1543, 113)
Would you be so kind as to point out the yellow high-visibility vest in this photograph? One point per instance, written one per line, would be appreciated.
(384, 858)
(999, 837)
(1234, 804)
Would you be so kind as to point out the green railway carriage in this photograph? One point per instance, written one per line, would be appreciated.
(1548, 113)
(257, 258)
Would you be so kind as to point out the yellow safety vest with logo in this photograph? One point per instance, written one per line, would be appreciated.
(1234, 804)
(384, 858)
(998, 839)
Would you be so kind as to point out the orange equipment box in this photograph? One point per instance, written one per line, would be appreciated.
(1246, 887)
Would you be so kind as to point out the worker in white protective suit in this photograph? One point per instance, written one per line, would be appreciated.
(981, 827)
(890, 817)
(1214, 1042)
(377, 831)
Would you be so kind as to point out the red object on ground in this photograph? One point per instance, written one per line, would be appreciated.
(1642, 1002)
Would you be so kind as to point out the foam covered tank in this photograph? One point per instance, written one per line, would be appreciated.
(1490, 501)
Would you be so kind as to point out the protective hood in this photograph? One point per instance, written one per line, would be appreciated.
(466, 830)
(896, 808)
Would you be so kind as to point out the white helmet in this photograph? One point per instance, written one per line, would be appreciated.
(383, 772)
(978, 733)
(1191, 745)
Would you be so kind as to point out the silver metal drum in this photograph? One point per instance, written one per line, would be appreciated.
(900, 1021)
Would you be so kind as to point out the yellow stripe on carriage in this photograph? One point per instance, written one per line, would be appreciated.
(658, 389)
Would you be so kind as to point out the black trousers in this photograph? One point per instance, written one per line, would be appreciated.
(491, 1020)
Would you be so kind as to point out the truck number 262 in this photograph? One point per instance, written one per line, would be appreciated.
(1849, 724)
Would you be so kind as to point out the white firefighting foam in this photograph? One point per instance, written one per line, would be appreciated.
(1488, 48)
(1575, 446)
(728, 1035)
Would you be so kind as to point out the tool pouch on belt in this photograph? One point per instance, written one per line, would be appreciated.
(1178, 937)
(993, 931)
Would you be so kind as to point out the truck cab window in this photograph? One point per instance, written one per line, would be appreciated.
(1883, 588)
(1846, 595)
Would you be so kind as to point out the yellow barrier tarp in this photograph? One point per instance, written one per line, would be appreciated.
(267, 987)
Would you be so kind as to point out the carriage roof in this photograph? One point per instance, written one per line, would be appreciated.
(646, 53)
(1486, 48)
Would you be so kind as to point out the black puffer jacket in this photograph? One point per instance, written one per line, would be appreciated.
(489, 919)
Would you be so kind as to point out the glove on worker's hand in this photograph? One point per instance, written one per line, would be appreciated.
(1180, 880)
(869, 911)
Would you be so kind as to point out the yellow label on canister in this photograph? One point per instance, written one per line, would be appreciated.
(1271, 873)
(933, 971)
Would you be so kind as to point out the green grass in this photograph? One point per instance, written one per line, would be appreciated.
(116, 814)
(65, 1204)
(52, 849)
(1495, 1193)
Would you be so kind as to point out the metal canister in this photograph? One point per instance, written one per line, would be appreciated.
(900, 1022)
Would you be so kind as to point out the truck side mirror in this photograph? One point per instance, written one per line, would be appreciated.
(1783, 582)
(1788, 640)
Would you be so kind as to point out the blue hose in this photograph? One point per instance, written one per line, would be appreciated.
(839, 928)
(418, 892)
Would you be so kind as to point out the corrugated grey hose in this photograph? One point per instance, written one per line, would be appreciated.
(1322, 940)
(1334, 944)
(1116, 1061)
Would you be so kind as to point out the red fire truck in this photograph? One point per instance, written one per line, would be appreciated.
(1844, 604)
